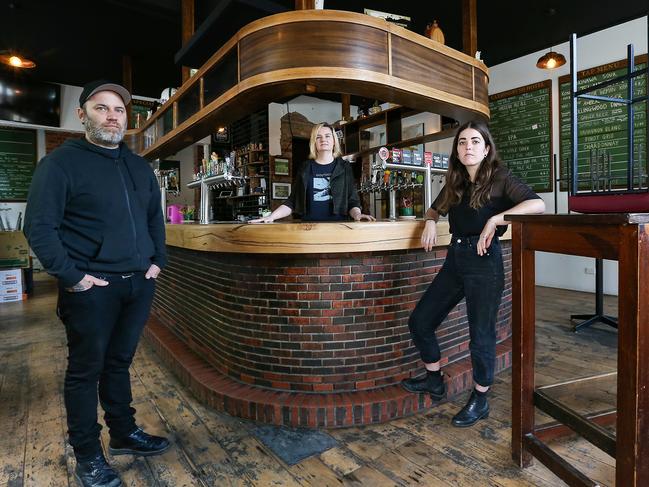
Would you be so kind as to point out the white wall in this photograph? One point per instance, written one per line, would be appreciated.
(602, 47)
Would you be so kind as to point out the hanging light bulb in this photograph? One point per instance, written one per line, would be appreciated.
(551, 60)
(16, 61)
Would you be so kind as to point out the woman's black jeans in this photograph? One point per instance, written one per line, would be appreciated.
(103, 326)
(481, 280)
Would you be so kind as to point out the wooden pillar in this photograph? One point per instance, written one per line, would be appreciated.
(127, 72)
(187, 14)
(127, 82)
(304, 4)
(346, 100)
(469, 27)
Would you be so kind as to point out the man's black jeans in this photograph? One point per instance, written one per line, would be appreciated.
(103, 326)
(481, 280)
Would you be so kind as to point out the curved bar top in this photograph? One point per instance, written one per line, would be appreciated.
(305, 237)
(282, 55)
(306, 324)
(302, 237)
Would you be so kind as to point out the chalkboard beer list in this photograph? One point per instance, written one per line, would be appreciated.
(521, 124)
(17, 162)
(603, 125)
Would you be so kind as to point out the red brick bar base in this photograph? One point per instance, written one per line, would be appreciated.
(307, 340)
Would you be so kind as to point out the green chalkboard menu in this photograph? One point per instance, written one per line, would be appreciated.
(521, 124)
(603, 127)
(17, 162)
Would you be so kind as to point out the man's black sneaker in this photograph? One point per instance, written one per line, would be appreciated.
(95, 472)
(138, 443)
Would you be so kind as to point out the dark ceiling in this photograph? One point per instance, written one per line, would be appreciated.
(75, 41)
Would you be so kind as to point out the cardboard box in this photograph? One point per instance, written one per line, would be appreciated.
(11, 285)
(11, 280)
(11, 299)
(445, 161)
(437, 160)
(14, 250)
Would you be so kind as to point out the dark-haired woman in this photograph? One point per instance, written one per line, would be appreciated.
(478, 192)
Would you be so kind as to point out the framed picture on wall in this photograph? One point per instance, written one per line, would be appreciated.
(281, 191)
(171, 169)
(282, 167)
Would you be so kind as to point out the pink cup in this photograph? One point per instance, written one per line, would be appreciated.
(174, 215)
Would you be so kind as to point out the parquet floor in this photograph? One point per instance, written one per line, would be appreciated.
(214, 449)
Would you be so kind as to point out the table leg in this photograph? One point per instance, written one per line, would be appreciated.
(632, 436)
(599, 316)
(523, 327)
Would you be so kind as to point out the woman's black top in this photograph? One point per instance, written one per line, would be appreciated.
(329, 189)
(507, 191)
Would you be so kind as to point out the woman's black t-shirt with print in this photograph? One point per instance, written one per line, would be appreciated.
(318, 194)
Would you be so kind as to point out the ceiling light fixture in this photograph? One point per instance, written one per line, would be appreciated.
(551, 60)
(16, 61)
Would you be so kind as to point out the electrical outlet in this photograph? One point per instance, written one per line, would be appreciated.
(589, 270)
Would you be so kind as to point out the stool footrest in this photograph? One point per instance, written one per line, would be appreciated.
(594, 433)
(562, 469)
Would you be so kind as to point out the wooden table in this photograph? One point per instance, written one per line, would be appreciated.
(622, 237)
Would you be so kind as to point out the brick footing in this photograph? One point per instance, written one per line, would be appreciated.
(312, 410)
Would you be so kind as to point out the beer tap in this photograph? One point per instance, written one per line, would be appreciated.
(393, 180)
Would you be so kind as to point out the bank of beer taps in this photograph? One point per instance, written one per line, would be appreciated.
(385, 177)
(219, 173)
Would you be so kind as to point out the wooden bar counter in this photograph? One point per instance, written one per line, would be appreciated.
(306, 324)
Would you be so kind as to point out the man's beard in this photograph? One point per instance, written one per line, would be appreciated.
(102, 136)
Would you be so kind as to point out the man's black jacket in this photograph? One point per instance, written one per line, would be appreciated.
(93, 210)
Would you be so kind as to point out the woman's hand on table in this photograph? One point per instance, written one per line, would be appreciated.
(363, 216)
(429, 235)
(265, 219)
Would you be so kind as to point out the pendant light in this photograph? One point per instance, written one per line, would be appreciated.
(551, 60)
(16, 61)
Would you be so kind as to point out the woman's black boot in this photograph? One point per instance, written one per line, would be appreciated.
(432, 382)
(476, 409)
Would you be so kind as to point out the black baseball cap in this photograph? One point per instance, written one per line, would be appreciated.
(103, 85)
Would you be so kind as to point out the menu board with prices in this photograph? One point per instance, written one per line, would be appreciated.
(521, 125)
(17, 162)
(603, 129)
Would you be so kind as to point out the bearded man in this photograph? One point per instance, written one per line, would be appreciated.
(95, 222)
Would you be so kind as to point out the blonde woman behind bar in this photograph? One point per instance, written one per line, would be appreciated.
(323, 188)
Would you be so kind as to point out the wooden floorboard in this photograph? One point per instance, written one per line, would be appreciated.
(214, 449)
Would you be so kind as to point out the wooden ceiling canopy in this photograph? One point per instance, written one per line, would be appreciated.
(310, 51)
